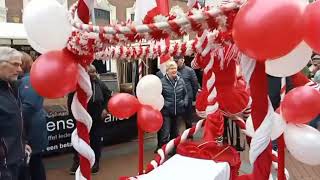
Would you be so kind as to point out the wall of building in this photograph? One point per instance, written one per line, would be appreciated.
(3, 11)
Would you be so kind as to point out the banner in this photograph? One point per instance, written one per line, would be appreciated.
(60, 127)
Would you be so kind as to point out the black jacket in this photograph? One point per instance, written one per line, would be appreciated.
(190, 78)
(11, 123)
(98, 102)
(175, 96)
(275, 89)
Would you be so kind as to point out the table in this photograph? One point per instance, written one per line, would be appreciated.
(180, 167)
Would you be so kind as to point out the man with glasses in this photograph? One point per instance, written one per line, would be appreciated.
(12, 145)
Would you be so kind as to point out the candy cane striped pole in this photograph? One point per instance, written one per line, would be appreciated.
(167, 148)
(140, 131)
(80, 137)
(260, 110)
(283, 88)
(281, 144)
(140, 65)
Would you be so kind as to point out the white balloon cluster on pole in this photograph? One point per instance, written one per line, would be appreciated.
(303, 143)
(278, 126)
(291, 63)
(47, 26)
(149, 90)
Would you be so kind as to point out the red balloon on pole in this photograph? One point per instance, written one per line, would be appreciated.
(268, 29)
(123, 105)
(312, 25)
(149, 119)
(54, 74)
(301, 105)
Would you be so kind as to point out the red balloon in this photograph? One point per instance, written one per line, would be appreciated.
(123, 105)
(54, 74)
(149, 119)
(301, 105)
(312, 25)
(268, 29)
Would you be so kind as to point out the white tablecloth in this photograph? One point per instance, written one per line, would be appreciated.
(185, 168)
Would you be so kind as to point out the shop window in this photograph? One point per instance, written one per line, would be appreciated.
(102, 17)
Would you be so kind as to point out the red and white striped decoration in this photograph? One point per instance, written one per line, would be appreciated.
(167, 148)
(169, 26)
(140, 64)
(80, 137)
(283, 89)
(142, 52)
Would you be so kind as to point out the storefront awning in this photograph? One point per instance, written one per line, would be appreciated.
(13, 33)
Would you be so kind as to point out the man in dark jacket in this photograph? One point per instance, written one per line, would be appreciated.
(190, 78)
(175, 96)
(96, 108)
(34, 120)
(12, 146)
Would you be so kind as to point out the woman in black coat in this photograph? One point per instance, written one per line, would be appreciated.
(175, 96)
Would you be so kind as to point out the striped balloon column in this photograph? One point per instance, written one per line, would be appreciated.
(80, 137)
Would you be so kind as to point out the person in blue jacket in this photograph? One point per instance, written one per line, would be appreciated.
(35, 121)
(174, 92)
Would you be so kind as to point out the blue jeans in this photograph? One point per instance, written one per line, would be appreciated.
(169, 129)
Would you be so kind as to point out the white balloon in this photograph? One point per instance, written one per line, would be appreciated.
(46, 24)
(303, 143)
(159, 103)
(149, 88)
(36, 46)
(278, 126)
(291, 63)
(155, 103)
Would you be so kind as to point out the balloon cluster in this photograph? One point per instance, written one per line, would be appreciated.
(147, 105)
(299, 106)
(55, 72)
(281, 31)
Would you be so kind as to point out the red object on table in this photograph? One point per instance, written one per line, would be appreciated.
(212, 151)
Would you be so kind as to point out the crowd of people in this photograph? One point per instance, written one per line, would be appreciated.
(23, 132)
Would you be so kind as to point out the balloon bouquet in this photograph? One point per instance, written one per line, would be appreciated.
(271, 37)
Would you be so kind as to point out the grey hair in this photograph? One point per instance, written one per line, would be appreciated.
(170, 64)
(7, 53)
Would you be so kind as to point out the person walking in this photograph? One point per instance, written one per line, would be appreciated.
(34, 120)
(12, 142)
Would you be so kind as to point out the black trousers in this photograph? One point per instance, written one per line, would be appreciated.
(13, 172)
(33, 171)
(36, 167)
(96, 145)
(169, 129)
(187, 116)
